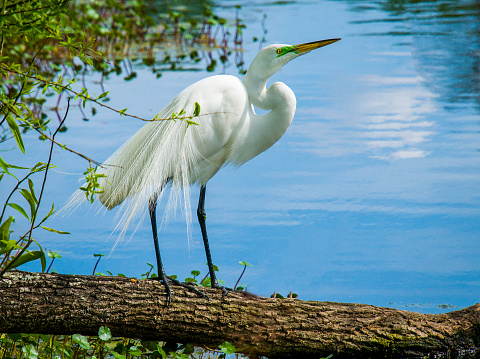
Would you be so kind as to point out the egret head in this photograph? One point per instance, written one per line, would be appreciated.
(272, 58)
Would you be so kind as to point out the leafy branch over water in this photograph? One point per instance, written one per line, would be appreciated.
(47, 50)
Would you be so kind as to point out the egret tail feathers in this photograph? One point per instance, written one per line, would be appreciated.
(161, 152)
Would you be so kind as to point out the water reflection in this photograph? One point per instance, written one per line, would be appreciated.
(394, 113)
(445, 40)
(389, 119)
(394, 107)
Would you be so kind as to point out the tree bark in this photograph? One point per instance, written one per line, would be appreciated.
(277, 328)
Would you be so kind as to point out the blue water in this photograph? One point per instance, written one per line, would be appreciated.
(373, 194)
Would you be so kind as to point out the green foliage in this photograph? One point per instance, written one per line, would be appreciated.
(25, 32)
(81, 340)
(15, 252)
(99, 256)
(181, 116)
(146, 275)
(104, 334)
(39, 346)
(92, 186)
(279, 296)
(245, 265)
(227, 348)
(53, 255)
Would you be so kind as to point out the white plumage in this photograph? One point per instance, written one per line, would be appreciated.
(228, 132)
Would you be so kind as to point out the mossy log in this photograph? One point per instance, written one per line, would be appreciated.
(276, 328)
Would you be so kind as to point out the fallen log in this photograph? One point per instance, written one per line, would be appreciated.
(276, 328)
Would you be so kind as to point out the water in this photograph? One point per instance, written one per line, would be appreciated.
(371, 197)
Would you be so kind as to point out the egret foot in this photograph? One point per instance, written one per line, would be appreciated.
(167, 288)
(187, 286)
(224, 290)
(190, 287)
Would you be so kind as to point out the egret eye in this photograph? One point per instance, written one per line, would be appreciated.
(279, 51)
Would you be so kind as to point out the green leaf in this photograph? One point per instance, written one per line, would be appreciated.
(32, 191)
(195, 273)
(54, 230)
(189, 349)
(16, 132)
(28, 257)
(104, 334)
(19, 208)
(43, 259)
(31, 201)
(52, 254)
(8, 245)
(227, 348)
(117, 355)
(191, 122)
(207, 282)
(105, 94)
(242, 263)
(161, 351)
(45, 88)
(30, 351)
(190, 280)
(81, 340)
(196, 112)
(5, 229)
(6, 166)
(134, 351)
(52, 211)
(40, 166)
(99, 255)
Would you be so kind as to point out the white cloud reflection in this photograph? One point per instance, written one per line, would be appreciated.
(383, 116)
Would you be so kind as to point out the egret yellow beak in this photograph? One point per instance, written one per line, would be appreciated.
(309, 46)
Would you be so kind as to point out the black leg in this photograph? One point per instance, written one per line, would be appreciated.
(152, 206)
(201, 219)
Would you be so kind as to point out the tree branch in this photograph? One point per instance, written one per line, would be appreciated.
(88, 98)
(277, 328)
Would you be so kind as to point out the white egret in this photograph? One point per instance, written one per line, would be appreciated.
(228, 132)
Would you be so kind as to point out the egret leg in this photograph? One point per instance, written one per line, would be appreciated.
(152, 207)
(202, 216)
